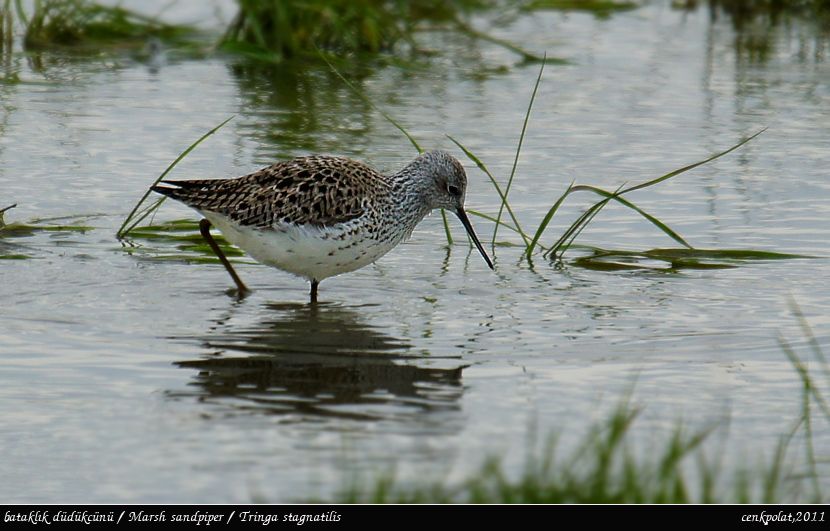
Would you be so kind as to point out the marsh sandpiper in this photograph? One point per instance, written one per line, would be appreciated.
(321, 216)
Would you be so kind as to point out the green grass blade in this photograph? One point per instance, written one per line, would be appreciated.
(142, 215)
(123, 231)
(570, 230)
(446, 226)
(807, 331)
(518, 149)
(583, 220)
(3, 211)
(21, 13)
(690, 166)
(659, 224)
(577, 226)
(546, 220)
(804, 374)
(495, 183)
(590, 218)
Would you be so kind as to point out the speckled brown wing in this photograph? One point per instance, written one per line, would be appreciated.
(321, 191)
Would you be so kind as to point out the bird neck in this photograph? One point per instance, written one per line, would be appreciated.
(413, 187)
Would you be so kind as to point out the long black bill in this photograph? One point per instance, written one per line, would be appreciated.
(467, 225)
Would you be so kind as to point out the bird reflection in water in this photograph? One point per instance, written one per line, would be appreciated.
(319, 360)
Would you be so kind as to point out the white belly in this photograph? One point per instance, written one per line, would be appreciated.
(305, 250)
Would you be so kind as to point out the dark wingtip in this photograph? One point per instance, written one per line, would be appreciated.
(169, 188)
(185, 184)
(181, 190)
(164, 190)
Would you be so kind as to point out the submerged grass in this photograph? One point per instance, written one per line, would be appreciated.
(672, 260)
(184, 235)
(9, 250)
(59, 224)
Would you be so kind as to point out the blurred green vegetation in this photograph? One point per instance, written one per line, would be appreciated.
(607, 467)
(266, 30)
(600, 8)
(277, 30)
(758, 25)
(742, 12)
(57, 23)
(290, 28)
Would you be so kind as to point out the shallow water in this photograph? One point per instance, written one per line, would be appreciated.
(125, 378)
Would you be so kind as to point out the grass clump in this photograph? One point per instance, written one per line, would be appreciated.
(567, 238)
(602, 469)
(277, 30)
(78, 23)
(264, 30)
(292, 28)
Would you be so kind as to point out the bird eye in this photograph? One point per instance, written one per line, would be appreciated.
(453, 190)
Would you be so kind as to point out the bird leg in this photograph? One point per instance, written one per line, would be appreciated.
(314, 284)
(204, 228)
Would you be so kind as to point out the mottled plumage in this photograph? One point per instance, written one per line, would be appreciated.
(313, 190)
(320, 216)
